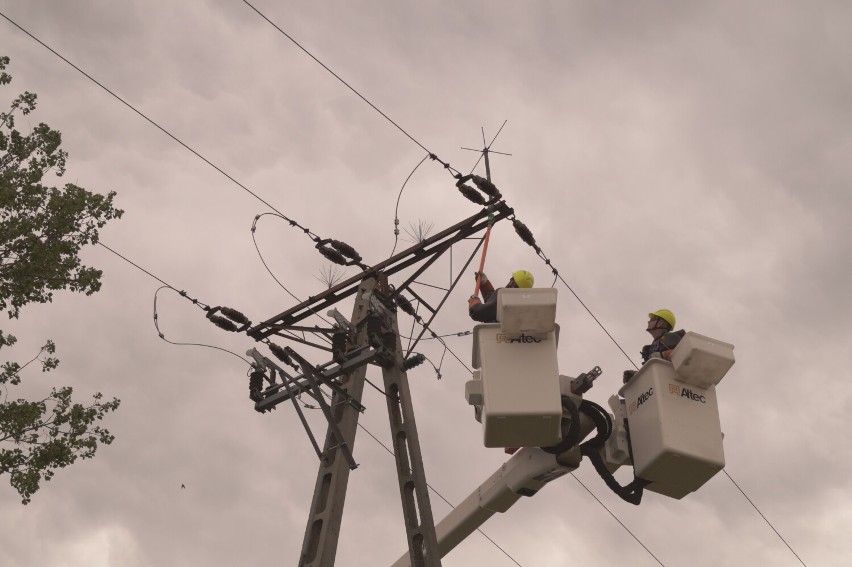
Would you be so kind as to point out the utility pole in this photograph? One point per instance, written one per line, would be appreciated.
(371, 336)
(420, 531)
(323, 530)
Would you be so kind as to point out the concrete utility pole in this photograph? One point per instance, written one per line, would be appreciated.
(376, 339)
(323, 531)
(319, 547)
(420, 532)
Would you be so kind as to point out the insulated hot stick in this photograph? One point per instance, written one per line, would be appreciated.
(482, 259)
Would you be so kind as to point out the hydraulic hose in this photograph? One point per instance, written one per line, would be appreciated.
(631, 493)
(571, 434)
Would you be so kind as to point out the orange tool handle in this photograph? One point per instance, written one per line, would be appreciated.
(482, 260)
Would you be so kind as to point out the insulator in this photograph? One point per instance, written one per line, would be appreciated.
(486, 187)
(345, 249)
(472, 194)
(525, 233)
(223, 323)
(338, 341)
(256, 385)
(256, 380)
(415, 359)
(404, 304)
(235, 316)
(374, 325)
(332, 255)
(280, 353)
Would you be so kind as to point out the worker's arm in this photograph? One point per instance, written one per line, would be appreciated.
(483, 312)
(485, 285)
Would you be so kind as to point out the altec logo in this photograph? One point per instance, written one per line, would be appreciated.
(522, 338)
(686, 393)
(643, 397)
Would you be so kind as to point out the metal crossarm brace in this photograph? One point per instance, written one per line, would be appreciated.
(443, 300)
(273, 368)
(278, 393)
(429, 247)
(333, 429)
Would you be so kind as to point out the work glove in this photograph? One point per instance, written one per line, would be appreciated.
(472, 302)
(483, 279)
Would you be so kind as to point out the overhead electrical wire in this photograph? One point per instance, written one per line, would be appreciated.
(157, 125)
(617, 520)
(182, 293)
(441, 496)
(764, 517)
(170, 135)
(162, 336)
(526, 236)
(432, 488)
(396, 209)
(246, 189)
(351, 88)
(268, 269)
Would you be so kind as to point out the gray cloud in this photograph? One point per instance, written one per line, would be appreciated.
(688, 156)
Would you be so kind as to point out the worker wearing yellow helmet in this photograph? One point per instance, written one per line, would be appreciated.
(485, 311)
(660, 326)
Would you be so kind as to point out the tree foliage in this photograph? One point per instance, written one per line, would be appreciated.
(42, 230)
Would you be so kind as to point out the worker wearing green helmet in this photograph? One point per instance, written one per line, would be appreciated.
(486, 312)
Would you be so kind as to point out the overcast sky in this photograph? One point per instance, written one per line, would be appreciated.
(688, 155)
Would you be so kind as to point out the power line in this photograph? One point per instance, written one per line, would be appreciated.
(396, 209)
(134, 264)
(155, 124)
(526, 235)
(351, 88)
(764, 517)
(201, 305)
(617, 520)
(162, 336)
(494, 543)
(294, 223)
(596, 319)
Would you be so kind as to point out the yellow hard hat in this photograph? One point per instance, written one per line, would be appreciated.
(665, 315)
(523, 278)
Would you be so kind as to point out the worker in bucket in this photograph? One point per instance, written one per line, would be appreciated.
(485, 311)
(660, 325)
